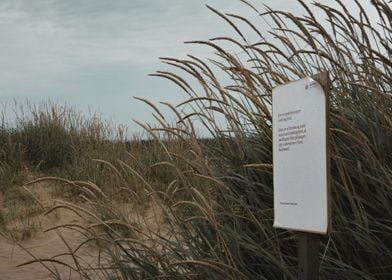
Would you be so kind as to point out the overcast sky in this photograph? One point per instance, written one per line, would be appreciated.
(97, 53)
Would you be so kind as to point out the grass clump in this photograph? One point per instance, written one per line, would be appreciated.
(47, 142)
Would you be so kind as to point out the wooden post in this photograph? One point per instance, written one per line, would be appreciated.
(308, 256)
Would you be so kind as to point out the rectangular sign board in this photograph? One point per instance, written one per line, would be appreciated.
(300, 156)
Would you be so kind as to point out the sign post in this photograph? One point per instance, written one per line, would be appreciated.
(301, 165)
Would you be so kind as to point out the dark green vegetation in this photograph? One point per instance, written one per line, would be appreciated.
(215, 212)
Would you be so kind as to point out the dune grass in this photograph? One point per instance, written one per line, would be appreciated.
(183, 207)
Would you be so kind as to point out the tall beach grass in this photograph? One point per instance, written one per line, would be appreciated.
(203, 208)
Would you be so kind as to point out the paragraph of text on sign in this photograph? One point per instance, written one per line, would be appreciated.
(290, 135)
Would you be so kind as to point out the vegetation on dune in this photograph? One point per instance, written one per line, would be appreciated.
(203, 209)
(53, 141)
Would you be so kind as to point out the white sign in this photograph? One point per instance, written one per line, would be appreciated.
(300, 156)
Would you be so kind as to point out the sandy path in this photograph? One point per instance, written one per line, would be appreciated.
(44, 245)
(11, 255)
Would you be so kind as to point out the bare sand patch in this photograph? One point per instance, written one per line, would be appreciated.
(44, 245)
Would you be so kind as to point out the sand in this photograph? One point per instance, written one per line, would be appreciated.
(43, 245)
